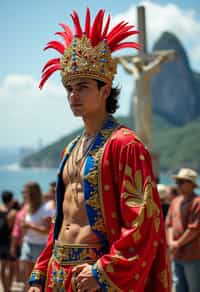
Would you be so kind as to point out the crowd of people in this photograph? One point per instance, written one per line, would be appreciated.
(24, 229)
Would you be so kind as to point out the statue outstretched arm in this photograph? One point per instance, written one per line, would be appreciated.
(129, 67)
(155, 66)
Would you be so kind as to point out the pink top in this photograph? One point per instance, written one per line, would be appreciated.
(17, 230)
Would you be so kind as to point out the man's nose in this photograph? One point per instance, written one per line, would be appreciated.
(74, 95)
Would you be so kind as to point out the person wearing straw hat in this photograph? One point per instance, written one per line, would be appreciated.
(109, 231)
(183, 232)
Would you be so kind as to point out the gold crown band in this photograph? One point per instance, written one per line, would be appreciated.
(81, 59)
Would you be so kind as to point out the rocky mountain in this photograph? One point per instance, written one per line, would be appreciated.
(176, 94)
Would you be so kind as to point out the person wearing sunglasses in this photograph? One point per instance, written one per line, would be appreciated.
(183, 232)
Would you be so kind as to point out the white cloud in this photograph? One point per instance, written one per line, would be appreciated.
(28, 114)
(167, 17)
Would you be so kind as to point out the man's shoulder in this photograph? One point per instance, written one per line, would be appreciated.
(176, 201)
(125, 135)
(196, 199)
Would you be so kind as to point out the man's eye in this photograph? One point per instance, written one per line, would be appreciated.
(83, 87)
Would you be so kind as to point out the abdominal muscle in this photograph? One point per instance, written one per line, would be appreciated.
(75, 227)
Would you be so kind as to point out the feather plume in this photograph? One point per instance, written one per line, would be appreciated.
(56, 46)
(48, 73)
(95, 36)
(77, 26)
(65, 37)
(68, 31)
(124, 45)
(50, 63)
(106, 27)
(87, 23)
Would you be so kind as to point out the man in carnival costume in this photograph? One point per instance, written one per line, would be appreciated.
(108, 233)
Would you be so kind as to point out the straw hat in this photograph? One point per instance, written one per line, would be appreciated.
(188, 174)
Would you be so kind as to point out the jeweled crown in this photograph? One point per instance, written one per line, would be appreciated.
(88, 53)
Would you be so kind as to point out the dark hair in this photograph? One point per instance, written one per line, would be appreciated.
(52, 184)
(35, 196)
(7, 197)
(112, 100)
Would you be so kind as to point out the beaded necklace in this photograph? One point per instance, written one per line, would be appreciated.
(83, 147)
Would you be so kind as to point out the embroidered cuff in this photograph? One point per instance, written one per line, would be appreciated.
(102, 279)
(37, 277)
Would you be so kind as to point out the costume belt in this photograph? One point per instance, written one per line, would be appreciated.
(75, 254)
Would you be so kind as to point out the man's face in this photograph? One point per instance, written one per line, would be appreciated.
(85, 99)
(185, 186)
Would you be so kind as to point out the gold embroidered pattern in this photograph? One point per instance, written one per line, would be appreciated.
(114, 215)
(126, 131)
(93, 177)
(113, 231)
(37, 275)
(163, 277)
(93, 200)
(88, 61)
(134, 258)
(137, 236)
(110, 268)
(76, 254)
(58, 279)
(106, 188)
(137, 276)
(142, 157)
(137, 195)
(144, 263)
(104, 280)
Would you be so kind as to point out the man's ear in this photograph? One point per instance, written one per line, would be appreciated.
(105, 91)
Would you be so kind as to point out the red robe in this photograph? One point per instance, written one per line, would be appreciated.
(123, 209)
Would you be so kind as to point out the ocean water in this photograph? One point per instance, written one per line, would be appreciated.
(13, 178)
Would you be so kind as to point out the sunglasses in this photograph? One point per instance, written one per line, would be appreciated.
(182, 181)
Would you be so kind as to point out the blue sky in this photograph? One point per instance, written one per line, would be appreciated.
(26, 114)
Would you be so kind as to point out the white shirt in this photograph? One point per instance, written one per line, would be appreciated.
(37, 218)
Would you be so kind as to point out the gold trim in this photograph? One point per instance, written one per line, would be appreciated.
(38, 272)
(99, 167)
(74, 263)
(76, 245)
(113, 287)
(73, 281)
(47, 277)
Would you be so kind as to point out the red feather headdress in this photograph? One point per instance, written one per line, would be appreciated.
(87, 53)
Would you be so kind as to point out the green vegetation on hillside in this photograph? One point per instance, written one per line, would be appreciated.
(177, 147)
